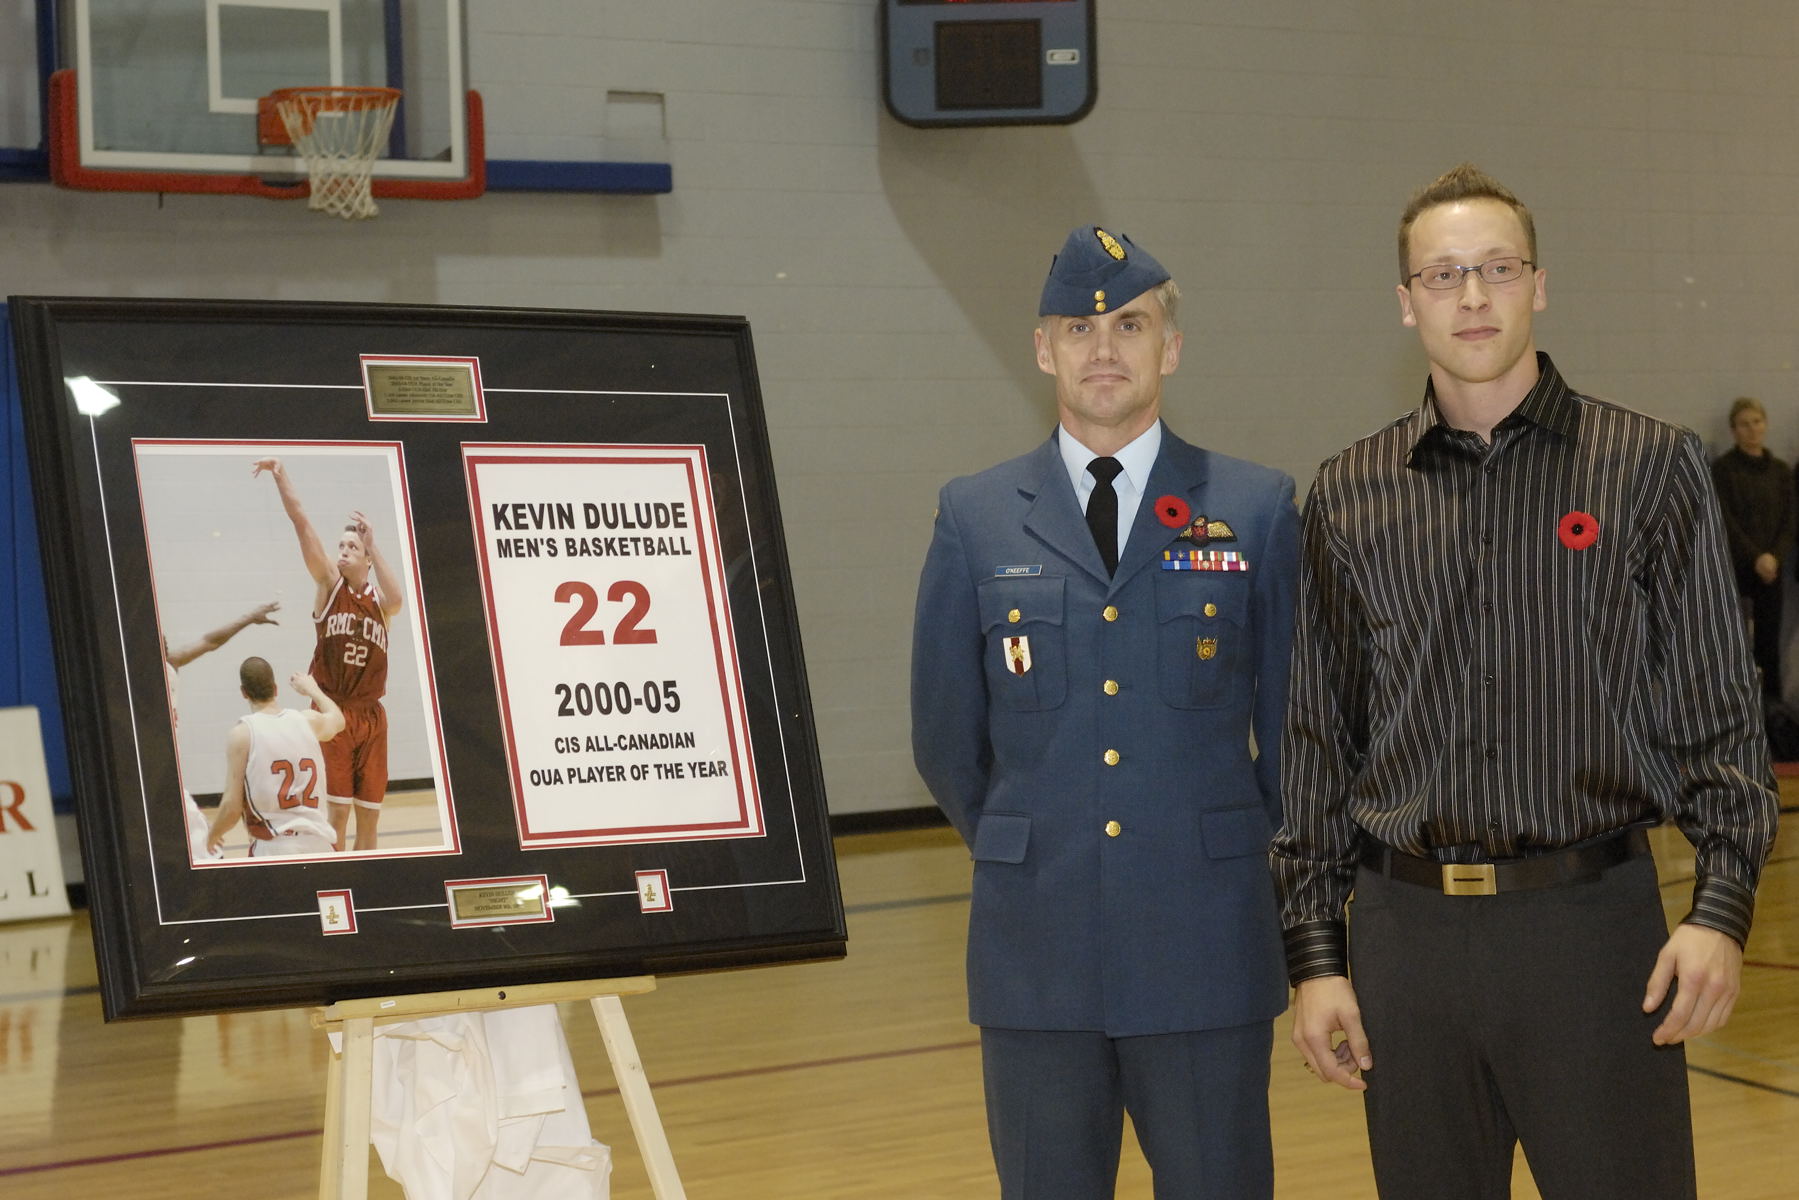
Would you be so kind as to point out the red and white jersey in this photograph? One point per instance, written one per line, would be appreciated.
(284, 776)
(350, 660)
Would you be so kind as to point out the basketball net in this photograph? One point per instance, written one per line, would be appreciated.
(340, 132)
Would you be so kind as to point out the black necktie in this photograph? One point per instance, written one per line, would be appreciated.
(1102, 510)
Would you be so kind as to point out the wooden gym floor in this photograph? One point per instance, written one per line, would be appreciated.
(833, 1081)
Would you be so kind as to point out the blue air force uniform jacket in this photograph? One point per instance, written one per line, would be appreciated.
(1099, 766)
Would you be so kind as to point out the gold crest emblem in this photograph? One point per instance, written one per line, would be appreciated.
(1207, 648)
(1017, 654)
(1110, 243)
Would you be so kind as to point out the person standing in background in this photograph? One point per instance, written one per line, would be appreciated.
(1755, 490)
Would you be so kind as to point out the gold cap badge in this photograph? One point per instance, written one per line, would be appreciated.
(1110, 243)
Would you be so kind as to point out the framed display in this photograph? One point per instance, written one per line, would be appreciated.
(407, 649)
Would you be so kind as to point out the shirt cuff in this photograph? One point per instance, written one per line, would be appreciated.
(1315, 949)
(1720, 904)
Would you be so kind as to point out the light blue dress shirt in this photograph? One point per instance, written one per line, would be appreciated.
(1136, 459)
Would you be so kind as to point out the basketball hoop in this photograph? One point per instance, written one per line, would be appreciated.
(340, 132)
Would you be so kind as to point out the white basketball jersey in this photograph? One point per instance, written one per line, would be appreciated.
(284, 776)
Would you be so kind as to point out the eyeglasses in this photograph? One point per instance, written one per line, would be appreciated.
(1443, 277)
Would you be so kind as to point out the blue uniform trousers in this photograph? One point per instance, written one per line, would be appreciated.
(1198, 1102)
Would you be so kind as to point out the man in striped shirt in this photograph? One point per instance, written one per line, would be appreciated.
(1516, 649)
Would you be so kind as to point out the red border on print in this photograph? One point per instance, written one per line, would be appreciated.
(452, 843)
(750, 818)
(349, 911)
(656, 877)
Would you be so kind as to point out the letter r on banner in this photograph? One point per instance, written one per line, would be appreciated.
(12, 800)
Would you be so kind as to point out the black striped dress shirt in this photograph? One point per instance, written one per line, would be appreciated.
(1477, 676)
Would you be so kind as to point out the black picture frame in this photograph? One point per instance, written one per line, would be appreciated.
(174, 936)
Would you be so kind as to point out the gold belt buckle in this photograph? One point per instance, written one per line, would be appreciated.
(1468, 879)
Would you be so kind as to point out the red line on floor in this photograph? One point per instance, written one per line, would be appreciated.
(262, 1139)
(160, 1152)
(778, 1068)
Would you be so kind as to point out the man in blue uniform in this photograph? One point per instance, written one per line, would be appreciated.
(1102, 625)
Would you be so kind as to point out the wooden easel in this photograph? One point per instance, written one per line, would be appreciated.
(344, 1169)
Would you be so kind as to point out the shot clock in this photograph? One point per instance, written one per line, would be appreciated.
(988, 62)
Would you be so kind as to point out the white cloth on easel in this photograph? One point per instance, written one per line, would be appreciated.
(484, 1106)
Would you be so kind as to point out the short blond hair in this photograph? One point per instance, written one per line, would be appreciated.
(1167, 294)
(1744, 404)
(1464, 181)
(257, 679)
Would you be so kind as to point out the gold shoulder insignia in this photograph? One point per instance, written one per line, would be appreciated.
(1110, 243)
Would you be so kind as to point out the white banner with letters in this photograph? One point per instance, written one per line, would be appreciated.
(31, 883)
(621, 702)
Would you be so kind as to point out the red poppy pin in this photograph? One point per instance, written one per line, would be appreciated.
(1173, 512)
(1578, 530)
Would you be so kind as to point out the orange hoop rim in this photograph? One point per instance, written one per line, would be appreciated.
(328, 98)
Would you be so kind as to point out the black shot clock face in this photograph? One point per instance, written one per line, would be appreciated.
(988, 62)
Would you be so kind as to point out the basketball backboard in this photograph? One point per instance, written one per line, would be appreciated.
(163, 94)
(25, 41)
(160, 96)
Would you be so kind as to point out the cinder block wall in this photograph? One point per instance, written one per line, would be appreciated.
(1261, 148)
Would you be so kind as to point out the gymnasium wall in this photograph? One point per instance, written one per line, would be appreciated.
(1261, 149)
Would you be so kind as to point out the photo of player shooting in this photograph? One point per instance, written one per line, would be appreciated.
(358, 595)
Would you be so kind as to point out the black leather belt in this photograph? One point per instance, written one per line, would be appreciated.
(1572, 865)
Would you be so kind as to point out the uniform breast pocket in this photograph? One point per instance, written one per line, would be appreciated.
(1027, 657)
(1202, 623)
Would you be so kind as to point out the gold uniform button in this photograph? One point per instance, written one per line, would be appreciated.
(1013, 616)
(1109, 613)
(1211, 611)
(1111, 687)
(1111, 758)
(1113, 829)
